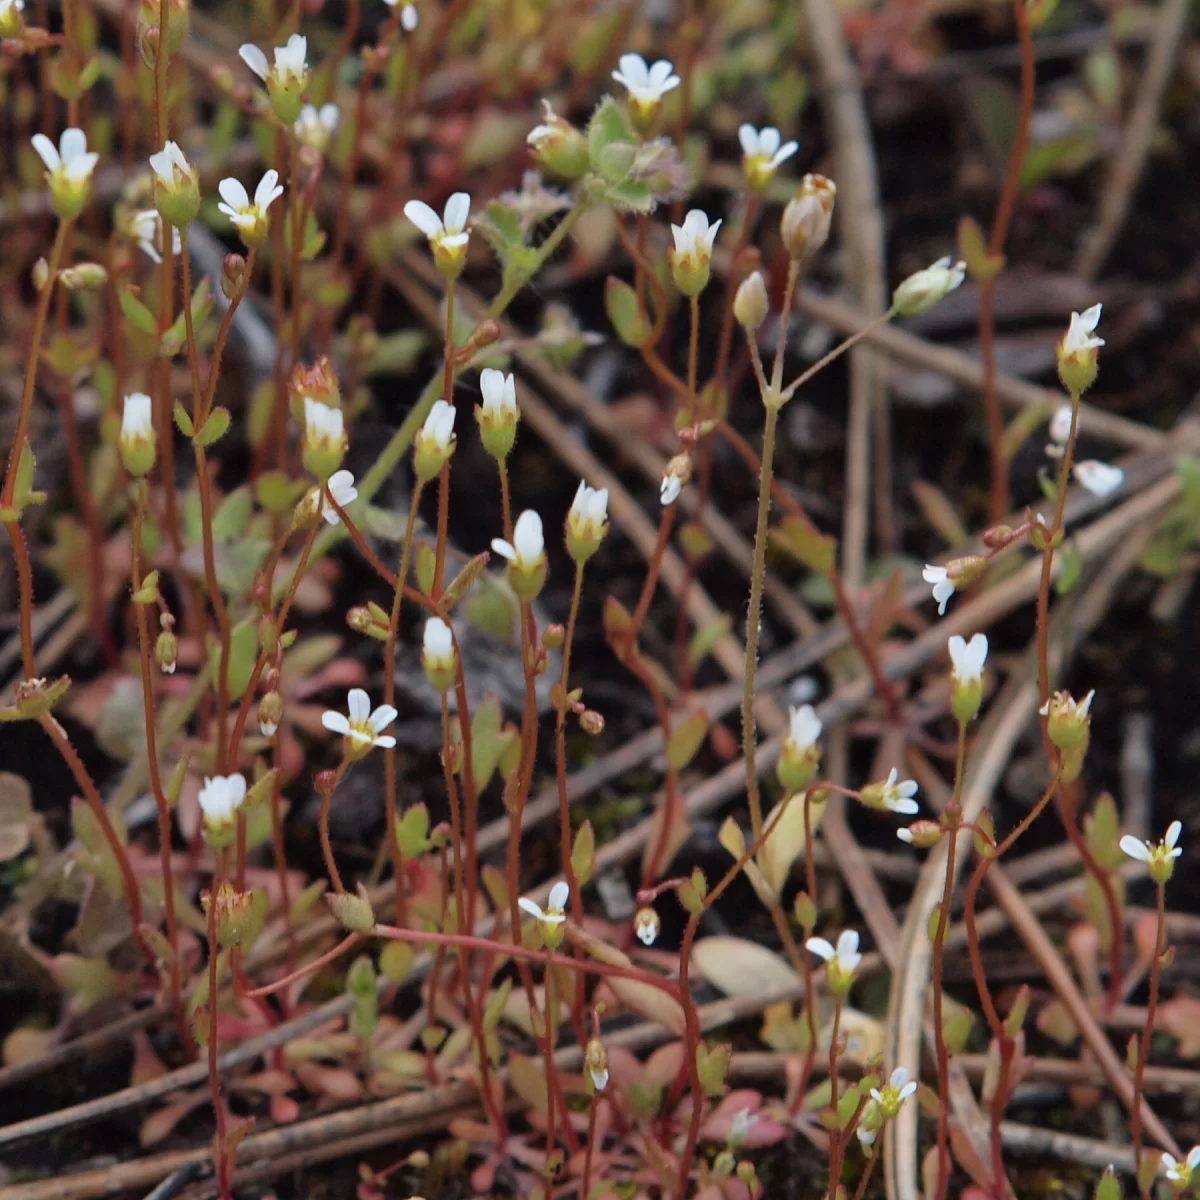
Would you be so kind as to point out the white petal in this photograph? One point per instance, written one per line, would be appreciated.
(46, 150)
(847, 943)
(898, 1078)
(72, 144)
(438, 639)
(424, 218)
(255, 59)
(527, 537)
(504, 549)
(385, 742)
(335, 722)
(410, 18)
(1136, 848)
(382, 717)
(749, 138)
(560, 893)
(909, 1089)
(267, 190)
(669, 490)
(768, 140)
(234, 194)
(1101, 479)
(458, 209)
(1173, 831)
(821, 948)
(531, 907)
(1090, 317)
(359, 704)
(633, 72)
(784, 153)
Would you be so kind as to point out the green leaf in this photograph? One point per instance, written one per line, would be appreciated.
(183, 420)
(624, 311)
(631, 195)
(529, 1082)
(214, 428)
(583, 853)
(1071, 568)
(608, 127)
(232, 515)
(136, 313)
(243, 653)
(686, 738)
(800, 539)
(276, 493)
(397, 353)
(412, 831)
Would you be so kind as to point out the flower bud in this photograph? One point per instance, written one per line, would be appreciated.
(138, 441)
(166, 651)
(324, 438)
(587, 522)
(238, 917)
(498, 414)
(435, 442)
(922, 290)
(12, 21)
(559, 146)
(691, 255)
(233, 276)
(966, 679)
(751, 305)
(438, 655)
(149, 21)
(590, 721)
(922, 834)
(1068, 723)
(353, 913)
(646, 925)
(808, 217)
(320, 381)
(800, 755)
(553, 636)
(595, 1059)
(270, 713)
(1078, 362)
(176, 186)
(526, 555)
(83, 277)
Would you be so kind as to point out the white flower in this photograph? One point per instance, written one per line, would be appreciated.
(922, 290)
(314, 127)
(249, 218)
(898, 796)
(147, 227)
(589, 513)
(439, 426)
(1149, 853)
(763, 155)
(804, 727)
(1181, 1172)
(556, 905)
(341, 487)
(291, 66)
(841, 960)
(943, 585)
(324, 427)
(1101, 479)
(447, 231)
(136, 417)
(669, 489)
(527, 549)
(1060, 424)
(70, 162)
(646, 85)
(221, 797)
(1079, 336)
(438, 642)
(694, 238)
(898, 1089)
(168, 161)
(968, 657)
(499, 393)
(1066, 706)
(363, 727)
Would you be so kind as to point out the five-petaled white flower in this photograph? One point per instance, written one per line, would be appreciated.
(527, 549)
(1150, 852)
(669, 489)
(943, 585)
(555, 912)
(291, 65)
(447, 232)
(363, 727)
(1080, 336)
(341, 488)
(1181, 1172)
(646, 85)
(70, 164)
(841, 960)
(314, 127)
(968, 657)
(897, 795)
(762, 153)
(897, 1089)
(250, 219)
(499, 394)
(221, 797)
(695, 237)
(589, 513)
(804, 726)
(147, 227)
(1101, 479)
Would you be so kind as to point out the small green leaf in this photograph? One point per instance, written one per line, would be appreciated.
(621, 303)
(583, 853)
(686, 738)
(183, 420)
(232, 515)
(136, 313)
(242, 656)
(214, 428)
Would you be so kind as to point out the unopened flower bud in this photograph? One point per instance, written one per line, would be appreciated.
(587, 522)
(233, 276)
(83, 277)
(751, 305)
(435, 442)
(324, 438)
(595, 1058)
(498, 414)
(808, 217)
(149, 22)
(646, 925)
(12, 21)
(922, 290)
(966, 679)
(270, 713)
(691, 256)
(353, 912)
(590, 721)
(176, 186)
(166, 652)
(675, 478)
(438, 655)
(559, 146)
(40, 274)
(922, 834)
(137, 441)
(1078, 362)
(526, 555)
(800, 755)
(553, 636)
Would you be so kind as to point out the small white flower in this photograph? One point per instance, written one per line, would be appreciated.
(900, 1084)
(968, 657)
(898, 796)
(221, 797)
(1148, 852)
(599, 1078)
(1181, 1172)
(922, 290)
(447, 231)
(363, 726)
(324, 427)
(70, 162)
(147, 228)
(1060, 424)
(1079, 337)
(291, 66)
(556, 905)
(669, 489)
(136, 417)
(236, 201)
(646, 85)
(843, 959)
(695, 237)
(866, 1136)
(168, 161)
(499, 393)
(943, 585)
(1101, 479)
(527, 549)
(341, 487)
(804, 727)
(763, 154)
(314, 127)
(439, 425)
(589, 512)
(438, 642)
